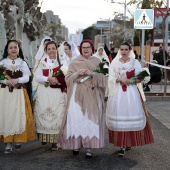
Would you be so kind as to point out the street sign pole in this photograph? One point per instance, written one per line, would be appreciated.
(143, 46)
(143, 20)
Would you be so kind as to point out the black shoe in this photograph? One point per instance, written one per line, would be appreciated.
(146, 89)
(76, 151)
(54, 147)
(18, 147)
(121, 152)
(89, 154)
(128, 148)
(43, 143)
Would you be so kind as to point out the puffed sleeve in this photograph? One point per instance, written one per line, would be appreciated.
(26, 74)
(39, 76)
(137, 66)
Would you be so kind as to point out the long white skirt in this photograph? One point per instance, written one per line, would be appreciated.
(79, 124)
(12, 112)
(124, 111)
(49, 109)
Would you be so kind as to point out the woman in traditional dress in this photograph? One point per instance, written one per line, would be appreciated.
(126, 115)
(101, 54)
(41, 53)
(68, 51)
(16, 120)
(50, 98)
(85, 107)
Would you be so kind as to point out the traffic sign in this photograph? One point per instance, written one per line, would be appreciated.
(144, 19)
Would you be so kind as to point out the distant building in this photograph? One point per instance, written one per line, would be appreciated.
(79, 31)
(107, 28)
(157, 31)
(129, 33)
(62, 31)
(50, 17)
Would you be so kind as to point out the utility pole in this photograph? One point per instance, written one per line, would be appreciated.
(124, 18)
(166, 29)
(124, 30)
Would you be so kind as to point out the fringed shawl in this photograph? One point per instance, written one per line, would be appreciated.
(89, 94)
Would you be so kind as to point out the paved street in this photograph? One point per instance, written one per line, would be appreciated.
(34, 156)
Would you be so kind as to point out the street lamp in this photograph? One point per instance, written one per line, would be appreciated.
(125, 5)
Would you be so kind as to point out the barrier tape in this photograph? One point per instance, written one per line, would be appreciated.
(158, 65)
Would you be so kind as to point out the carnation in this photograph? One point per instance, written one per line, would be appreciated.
(64, 69)
(147, 78)
(105, 66)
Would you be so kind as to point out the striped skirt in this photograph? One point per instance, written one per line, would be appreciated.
(133, 138)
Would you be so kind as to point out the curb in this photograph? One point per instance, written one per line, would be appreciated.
(158, 98)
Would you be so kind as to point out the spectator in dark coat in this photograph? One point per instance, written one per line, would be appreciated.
(159, 56)
(156, 75)
(112, 54)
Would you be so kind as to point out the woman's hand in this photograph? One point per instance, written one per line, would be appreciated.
(53, 80)
(124, 81)
(129, 81)
(12, 82)
(88, 72)
(138, 81)
(82, 72)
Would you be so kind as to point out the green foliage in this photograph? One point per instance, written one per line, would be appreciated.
(117, 36)
(102, 69)
(142, 75)
(2, 69)
(53, 28)
(90, 33)
(147, 4)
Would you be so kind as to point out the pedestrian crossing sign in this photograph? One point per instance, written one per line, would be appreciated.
(144, 19)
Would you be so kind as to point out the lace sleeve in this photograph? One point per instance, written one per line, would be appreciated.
(113, 75)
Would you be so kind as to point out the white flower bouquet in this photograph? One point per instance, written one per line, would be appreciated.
(146, 74)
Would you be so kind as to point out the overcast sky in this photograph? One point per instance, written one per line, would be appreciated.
(80, 14)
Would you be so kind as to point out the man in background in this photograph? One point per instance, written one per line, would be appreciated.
(159, 56)
(112, 54)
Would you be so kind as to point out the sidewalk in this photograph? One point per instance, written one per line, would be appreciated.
(156, 92)
(160, 110)
(159, 105)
